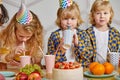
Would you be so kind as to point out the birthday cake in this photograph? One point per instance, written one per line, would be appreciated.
(67, 72)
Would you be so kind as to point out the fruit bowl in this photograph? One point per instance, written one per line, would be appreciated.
(89, 74)
(30, 72)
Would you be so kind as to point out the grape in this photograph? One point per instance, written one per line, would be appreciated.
(31, 68)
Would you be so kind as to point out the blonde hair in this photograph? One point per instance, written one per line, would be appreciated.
(100, 5)
(8, 35)
(71, 11)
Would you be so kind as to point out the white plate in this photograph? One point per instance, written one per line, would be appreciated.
(9, 78)
(7, 73)
(89, 74)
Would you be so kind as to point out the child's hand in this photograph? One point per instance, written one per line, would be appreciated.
(19, 50)
(14, 63)
(75, 39)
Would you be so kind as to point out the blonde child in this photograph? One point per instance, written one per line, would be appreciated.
(81, 50)
(26, 28)
(103, 37)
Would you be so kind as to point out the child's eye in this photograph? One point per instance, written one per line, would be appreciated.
(21, 36)
(73, 18)
(65, 18)
(97, 13)
(105, 13)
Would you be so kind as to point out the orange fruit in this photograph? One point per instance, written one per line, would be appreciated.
(91, 66)
(98, 69)
(108, 67)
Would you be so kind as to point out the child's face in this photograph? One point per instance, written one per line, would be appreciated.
(69, 22)
(102, 17)
(22, 35)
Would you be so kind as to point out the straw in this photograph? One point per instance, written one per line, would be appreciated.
(109, 50)
(41, 50)
(23, 47)
(101, 57)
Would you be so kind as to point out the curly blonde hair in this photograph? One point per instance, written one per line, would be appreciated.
(99, 5)
(8, 36)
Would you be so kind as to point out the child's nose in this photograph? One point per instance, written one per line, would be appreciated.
(68, 21)
(102, 15)
(24, 39)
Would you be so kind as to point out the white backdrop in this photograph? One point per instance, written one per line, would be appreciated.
(47, 10)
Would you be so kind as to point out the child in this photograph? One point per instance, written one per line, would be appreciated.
(81, 51)
(3, 15)
(26, 28)
(104, 38)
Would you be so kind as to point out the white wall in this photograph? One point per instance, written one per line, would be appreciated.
(47, 9)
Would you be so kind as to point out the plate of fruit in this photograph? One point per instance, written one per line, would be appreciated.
(98, 70)
(89, 74)
(30, 72)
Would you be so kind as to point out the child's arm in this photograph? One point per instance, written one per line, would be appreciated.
(55, 46)
(84, 50)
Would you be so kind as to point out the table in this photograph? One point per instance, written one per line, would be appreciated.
(49, 76)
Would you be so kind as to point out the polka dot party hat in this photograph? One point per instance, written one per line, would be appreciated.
(65, 3)
(24, 16)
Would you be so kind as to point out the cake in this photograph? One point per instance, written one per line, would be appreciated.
(3, 66)
(68, 74)
(67, 71)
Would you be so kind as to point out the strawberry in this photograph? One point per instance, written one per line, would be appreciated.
(66, 67)
(57, 65)
(72, 67)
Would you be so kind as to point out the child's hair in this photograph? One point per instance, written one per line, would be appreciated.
(99, 5)
(69, 12)
(9, 37)
(4, 14)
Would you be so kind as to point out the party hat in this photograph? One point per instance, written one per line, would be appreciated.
(24, 16)
(65, 3)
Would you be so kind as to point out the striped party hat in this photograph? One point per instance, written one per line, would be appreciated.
(24, 16)
(65, 3)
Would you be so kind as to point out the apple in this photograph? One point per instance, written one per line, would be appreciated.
(21, 76)
(34, 76)
(2, 77)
